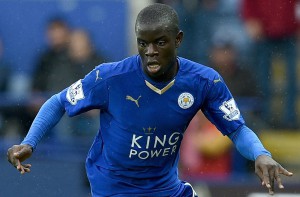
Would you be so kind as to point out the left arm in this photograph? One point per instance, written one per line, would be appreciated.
(220, 108)
(267, 169)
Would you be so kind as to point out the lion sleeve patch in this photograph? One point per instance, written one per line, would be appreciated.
(75, 92)
(230, 109)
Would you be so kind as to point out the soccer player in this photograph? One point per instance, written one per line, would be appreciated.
(147, 102)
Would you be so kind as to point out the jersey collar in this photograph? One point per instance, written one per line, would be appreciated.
(158, 87)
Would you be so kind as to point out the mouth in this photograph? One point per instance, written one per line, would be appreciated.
(153, 67)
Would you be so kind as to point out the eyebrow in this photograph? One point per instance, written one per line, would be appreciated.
(159, 38)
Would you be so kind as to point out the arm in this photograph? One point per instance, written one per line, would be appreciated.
(49, 115)
(267, 169)
(247, 143)
(221, 109)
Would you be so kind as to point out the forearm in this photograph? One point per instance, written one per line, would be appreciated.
(48, 116)
(248, 144)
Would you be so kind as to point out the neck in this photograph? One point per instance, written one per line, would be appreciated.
(169, 74)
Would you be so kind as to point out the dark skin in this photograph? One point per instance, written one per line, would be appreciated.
(157, 43)
(157, 46)
(269, 171)
(17, 154)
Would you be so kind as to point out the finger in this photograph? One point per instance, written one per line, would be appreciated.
(271, 192)
(266, 177)
(272, 178)
(278, 179)
(284, 171)
(18, 164)
(23, 154)
(24, 170)
(19, 154)
(27, 165)
(259, 173)
(13, 161)
(11, 158)
(27, 169)
(279, 182)
(20, 167)
(268, 184)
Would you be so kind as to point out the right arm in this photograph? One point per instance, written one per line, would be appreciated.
(84, 95)
(48, 116)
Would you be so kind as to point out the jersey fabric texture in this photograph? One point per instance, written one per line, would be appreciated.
(136, 150)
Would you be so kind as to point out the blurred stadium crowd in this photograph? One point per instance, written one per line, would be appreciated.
(47, 45)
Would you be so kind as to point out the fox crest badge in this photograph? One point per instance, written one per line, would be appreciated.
(185, 100)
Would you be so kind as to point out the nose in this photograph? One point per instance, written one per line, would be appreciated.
(151, 50)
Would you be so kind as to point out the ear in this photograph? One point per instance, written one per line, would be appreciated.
(179, 39)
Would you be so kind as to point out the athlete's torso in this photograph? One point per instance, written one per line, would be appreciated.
(143, 122)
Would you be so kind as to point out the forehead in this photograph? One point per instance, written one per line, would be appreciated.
(153, 30)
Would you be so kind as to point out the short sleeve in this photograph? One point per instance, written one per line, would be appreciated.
(220, 107)
(86, 94)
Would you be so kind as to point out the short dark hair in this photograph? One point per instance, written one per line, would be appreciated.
(158, 13)
(57, 21)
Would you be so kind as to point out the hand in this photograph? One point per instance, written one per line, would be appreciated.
(17, 154)
(268, 170)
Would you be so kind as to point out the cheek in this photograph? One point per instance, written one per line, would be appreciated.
(168, 54)
(141, 51)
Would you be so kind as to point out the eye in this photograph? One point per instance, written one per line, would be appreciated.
(161, 43)
(142, 44)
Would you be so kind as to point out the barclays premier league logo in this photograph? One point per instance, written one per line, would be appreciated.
(185, 100)
(75, 92)
(230, 109)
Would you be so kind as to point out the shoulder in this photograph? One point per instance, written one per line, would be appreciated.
(197, 70)
(112, 69)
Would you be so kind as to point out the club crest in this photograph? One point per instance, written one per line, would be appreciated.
(185, 100)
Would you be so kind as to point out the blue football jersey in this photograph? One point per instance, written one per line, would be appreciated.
(136, 150)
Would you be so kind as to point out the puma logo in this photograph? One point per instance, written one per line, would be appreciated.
(217, 80)
(97, 75)
(134, 100)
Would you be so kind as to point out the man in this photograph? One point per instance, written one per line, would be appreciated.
(53, 65)
(147, 102)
